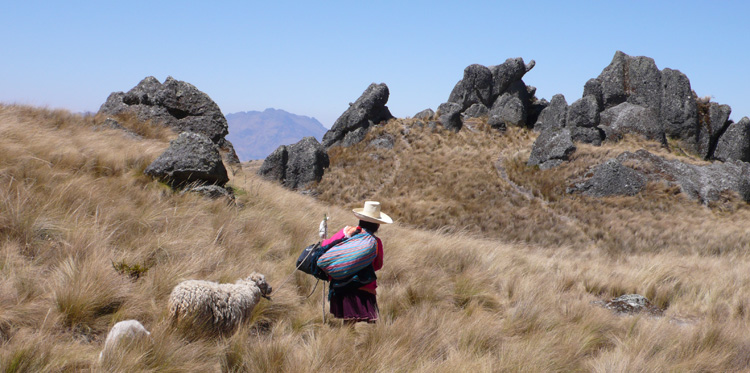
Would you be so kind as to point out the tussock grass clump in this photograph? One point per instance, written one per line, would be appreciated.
(490, 266)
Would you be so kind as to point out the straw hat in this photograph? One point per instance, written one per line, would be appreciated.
(371, 212)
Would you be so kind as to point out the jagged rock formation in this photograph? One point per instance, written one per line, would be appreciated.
(191, 158)
(633, 96)
(554, 115)
(176, 104)
(425, 114)
(610, 179)
(704, 183)
(735, 144)
(352, 126)
(629, 118)
(551, 148)
(298, 165)
(497, 88)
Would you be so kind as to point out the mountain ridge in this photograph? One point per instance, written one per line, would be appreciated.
(256, 134)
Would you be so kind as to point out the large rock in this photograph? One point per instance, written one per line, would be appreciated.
(174, 103)
(368, 110)
(297, 165)
(190, 158)
(553, 116)
(476, 111)
(449, 115)
(712, 124)
(679, 109)
(582, 119)
(551, 148)
(583, 113)
(593, 87)
(507, 110)
(629, 118)
(610, 179)
(705, 183)
(425, 114)
(735, 142)
(474, 88)
(633, 79)
(503, 75)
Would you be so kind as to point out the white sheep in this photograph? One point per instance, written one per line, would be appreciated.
(216, 307)
(127, 331)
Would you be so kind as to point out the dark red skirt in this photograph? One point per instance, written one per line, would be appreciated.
(355, 305)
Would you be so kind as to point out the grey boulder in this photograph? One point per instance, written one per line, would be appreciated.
(174, 103)
(474, 88)
(711, 126)
(425, 114)
(583, 113)
(629, 118)
(735, 142)
(551, 148)
(679, 109)
(611, 179)
(633, 79)
(705, 183)
(449, 115)
(296, 166)
(554, 115)
(476, 111)
(508, 109)
(503, 75)
(190, 158)
(367, 111)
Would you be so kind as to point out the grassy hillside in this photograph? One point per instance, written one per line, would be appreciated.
(501, 283)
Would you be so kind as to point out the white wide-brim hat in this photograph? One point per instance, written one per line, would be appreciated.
(371, 212)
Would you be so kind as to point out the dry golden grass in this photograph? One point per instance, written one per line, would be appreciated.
(73, 201)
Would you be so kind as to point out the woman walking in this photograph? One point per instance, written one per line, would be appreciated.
(353, 304)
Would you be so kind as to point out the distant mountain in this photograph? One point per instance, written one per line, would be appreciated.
(256, 134)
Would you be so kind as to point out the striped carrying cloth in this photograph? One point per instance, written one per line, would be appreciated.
(349, 257)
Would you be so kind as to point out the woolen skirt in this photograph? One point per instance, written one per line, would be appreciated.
(355, 304)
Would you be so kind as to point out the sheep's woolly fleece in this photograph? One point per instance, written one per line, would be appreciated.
(219, 306)
(128, 330)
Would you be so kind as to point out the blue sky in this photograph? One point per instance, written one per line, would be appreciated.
(313, 58)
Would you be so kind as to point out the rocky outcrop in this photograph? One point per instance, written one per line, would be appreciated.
(610, 179)
(474, 88)
(704, 183)
(551, 148)
(629, 118)
(508, 109)
(631, 95)
(712, 123)
(176, 104)
(554, 115)
(298, 165)
(633, 79)
(425, 114)
(352, 126)
(497, 88)
(476, 111)
(679, 110)
(449, 114)
(735, 143)
(190, 158)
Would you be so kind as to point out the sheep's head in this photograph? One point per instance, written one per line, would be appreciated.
(260, 281)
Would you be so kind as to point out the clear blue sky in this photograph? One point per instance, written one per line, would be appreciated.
(314, 57)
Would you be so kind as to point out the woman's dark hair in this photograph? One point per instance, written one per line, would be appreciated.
(368, 226)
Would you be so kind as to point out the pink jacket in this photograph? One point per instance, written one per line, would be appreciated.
(377, 264)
